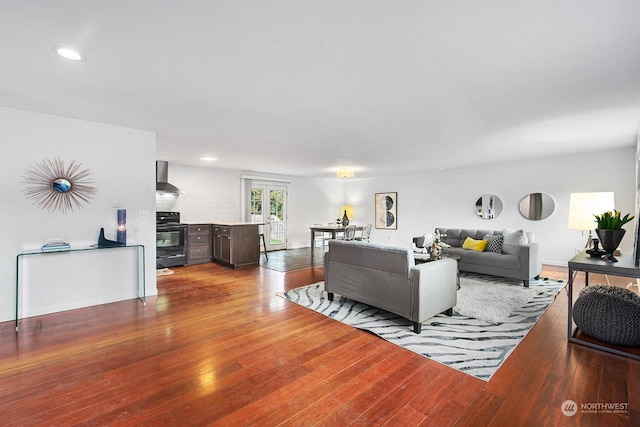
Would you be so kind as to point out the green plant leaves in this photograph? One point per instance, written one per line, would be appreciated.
(611, 220)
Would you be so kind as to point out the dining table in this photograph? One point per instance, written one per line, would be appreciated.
(334, 229)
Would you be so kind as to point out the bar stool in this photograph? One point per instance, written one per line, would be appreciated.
(264, 244)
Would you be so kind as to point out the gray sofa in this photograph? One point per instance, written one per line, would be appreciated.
(519, 257)
(387, 277)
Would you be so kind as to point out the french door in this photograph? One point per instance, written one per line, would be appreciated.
(269, 206)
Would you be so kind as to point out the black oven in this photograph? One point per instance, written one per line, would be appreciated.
(171, 240)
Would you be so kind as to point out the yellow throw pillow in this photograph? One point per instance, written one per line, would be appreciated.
(476, 245)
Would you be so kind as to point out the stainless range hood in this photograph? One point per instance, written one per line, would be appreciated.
(162, 173)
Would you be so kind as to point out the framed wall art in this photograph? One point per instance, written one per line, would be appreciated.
(387, 211)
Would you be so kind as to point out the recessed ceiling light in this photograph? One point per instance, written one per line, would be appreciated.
(69, 53)
(208, 158)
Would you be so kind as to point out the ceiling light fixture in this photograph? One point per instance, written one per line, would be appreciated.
(208, 158)
(69, 53)
(345, 173)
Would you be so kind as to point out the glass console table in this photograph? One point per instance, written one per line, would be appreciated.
(140, 263)
(625, 267)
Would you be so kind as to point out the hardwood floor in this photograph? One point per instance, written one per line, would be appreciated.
(217, 347)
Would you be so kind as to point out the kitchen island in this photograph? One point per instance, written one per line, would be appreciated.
(236, 243)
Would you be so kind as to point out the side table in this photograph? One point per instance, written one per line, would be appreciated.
(140, 261)
(625, 267)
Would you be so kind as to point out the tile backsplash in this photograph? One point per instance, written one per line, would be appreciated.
(198, 206)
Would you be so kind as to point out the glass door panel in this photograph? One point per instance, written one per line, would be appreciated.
(277, 236)
(268, 205)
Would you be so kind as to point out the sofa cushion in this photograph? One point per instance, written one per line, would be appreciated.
(490, 259)
(495, 243)
(456, 236)
(513, 240)
(452, 237)
(476, 245)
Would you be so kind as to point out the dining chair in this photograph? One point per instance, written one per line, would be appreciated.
(350, 232)
(320, 237)
(366, 233)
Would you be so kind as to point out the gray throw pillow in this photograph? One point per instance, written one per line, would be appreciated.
(495, 243)
(513, 240)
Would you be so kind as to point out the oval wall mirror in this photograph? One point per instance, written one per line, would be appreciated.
(488, 206)
(537, 206)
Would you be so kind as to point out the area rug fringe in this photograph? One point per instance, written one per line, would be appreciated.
(469, 345)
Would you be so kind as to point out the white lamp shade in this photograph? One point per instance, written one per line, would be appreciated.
(583, 207)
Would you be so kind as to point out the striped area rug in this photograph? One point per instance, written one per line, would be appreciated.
(475, 347)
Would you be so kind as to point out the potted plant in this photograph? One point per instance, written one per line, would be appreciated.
(610, 231)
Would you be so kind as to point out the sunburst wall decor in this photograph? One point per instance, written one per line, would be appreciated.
(53, 187)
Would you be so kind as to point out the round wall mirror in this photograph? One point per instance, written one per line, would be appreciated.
(537, 206)
(488, 206)
(61, 185)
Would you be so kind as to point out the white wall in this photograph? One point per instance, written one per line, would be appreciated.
(122, 162)
(313, 201)
(446, 198)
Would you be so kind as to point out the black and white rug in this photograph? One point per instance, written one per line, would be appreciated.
(475, 346)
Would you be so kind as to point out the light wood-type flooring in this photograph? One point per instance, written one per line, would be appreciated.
(218, 347)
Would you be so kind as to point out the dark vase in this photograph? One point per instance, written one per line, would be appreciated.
(610, 240)
(345, 219)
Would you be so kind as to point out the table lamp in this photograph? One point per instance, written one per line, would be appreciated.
(583, 207)
(347, 214)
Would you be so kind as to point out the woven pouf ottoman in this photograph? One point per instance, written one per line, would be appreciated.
(608, 313)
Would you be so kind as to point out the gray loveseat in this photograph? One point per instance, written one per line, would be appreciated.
(517, 258)
(387, 277)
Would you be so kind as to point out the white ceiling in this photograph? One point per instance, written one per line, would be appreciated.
(301, 87)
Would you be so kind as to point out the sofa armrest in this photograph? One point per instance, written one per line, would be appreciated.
(327, 258)
(530, 261)
(433, 288)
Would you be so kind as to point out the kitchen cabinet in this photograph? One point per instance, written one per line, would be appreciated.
(221, 239)
(236, 244)
(198, 244)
